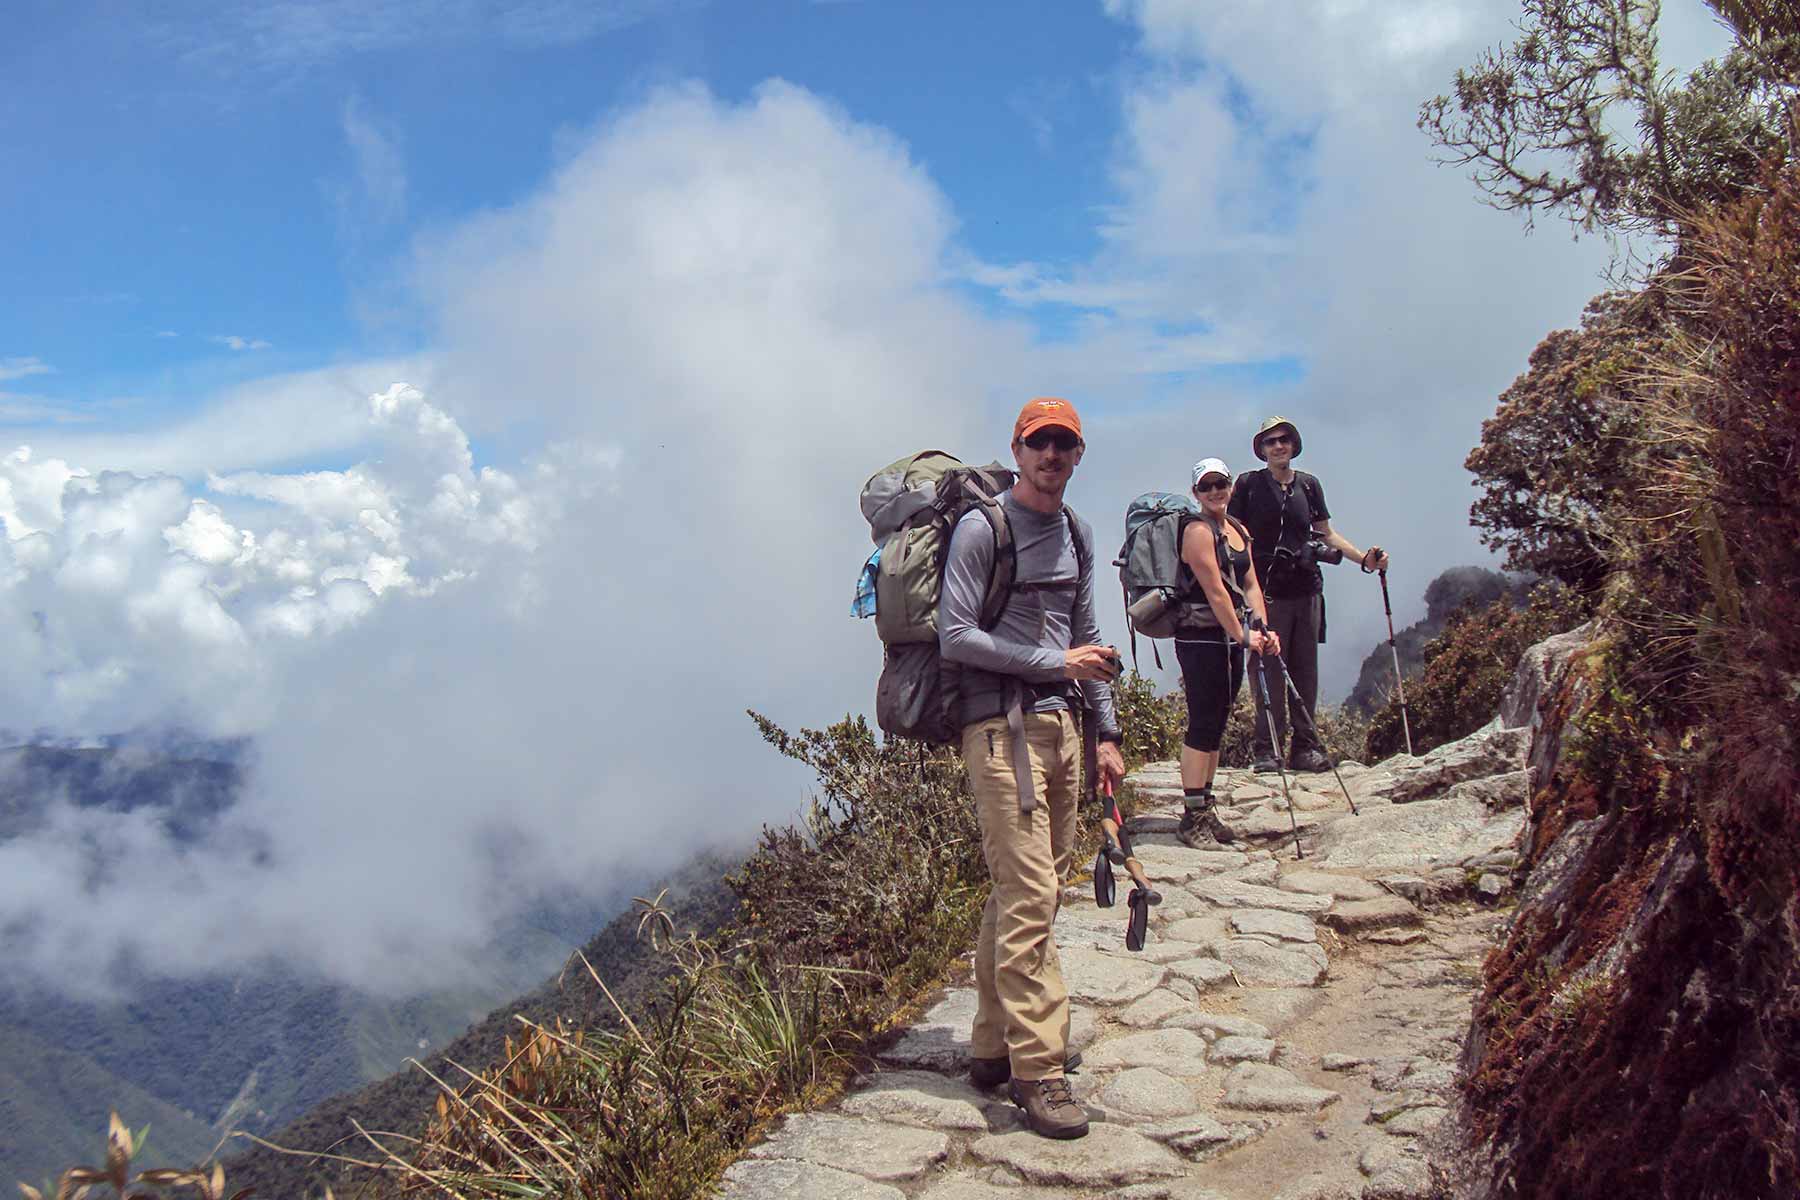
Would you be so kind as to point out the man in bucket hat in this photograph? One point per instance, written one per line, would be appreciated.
(1022, 750)
(1288, 519)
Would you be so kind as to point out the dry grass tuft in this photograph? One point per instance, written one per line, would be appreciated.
(84, 1183)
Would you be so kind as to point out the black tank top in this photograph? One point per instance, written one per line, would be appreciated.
(1238, 562)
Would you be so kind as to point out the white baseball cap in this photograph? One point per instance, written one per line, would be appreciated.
(1211, 466)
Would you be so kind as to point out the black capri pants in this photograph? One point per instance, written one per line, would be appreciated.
(1212, 670)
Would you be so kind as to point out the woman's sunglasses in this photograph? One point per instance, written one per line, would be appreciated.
(1212, 485)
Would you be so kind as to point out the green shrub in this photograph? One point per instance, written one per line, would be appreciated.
(885, 874)
(1152, 724)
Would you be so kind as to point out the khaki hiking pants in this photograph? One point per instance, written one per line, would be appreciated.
(1023, 1008)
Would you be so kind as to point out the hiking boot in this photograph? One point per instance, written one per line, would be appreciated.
(1266, 765)
(1050, 1108)
(1311, 760)
(986, 1073)
(1201, 828)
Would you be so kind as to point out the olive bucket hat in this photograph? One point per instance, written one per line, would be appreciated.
(1269, 426)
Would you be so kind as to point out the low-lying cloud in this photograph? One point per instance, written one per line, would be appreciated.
(469, 686)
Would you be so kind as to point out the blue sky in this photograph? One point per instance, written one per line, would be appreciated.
(466, 400)
(194, 169)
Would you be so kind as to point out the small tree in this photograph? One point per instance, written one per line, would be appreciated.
(1559, 447)
(1541, 122)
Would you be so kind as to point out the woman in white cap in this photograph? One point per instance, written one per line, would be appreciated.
(1216, 548)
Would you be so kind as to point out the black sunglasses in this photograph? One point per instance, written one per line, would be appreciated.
(1214, 485)
(1276, 439)
(1062, 439)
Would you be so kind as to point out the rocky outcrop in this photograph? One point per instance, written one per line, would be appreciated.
(1638, 1031)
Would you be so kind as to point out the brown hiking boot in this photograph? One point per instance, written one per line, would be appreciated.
(1202, 828)
(1050, 1107)
(1313, 760)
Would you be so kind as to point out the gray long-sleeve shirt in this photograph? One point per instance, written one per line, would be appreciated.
(1036, 628)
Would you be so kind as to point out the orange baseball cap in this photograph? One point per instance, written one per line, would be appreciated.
(1043, 413)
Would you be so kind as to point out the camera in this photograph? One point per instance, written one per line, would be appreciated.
(1310, 553)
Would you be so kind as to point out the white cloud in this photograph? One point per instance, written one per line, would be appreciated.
(375, 196)
(272, 422)
(305, 34)
(1300, 58)
(136, 577)
(20, 368)
(233, 342)
(16, 409)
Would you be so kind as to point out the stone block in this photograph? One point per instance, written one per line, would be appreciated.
(873, 1149)
(1262, 1088)
(1360, 916)
(1109, 1156)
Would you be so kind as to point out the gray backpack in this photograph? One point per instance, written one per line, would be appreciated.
(1162, 597)
(912, 507)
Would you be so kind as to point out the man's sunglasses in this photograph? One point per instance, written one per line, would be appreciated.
(1062, 439)
(1212, 485)
(1277, 439)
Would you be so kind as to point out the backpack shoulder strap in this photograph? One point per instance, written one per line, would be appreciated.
(1084, 550)
(978, 486)
(1222, 555)
(1309, 487)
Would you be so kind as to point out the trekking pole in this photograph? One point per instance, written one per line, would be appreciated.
(1115, 844)
(1137, 904)
(1281, 751)
(1118, 845)
(1314, 723)
(1117, 848)
(1399, 683)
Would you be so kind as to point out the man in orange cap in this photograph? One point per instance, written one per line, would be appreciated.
(1022, 676)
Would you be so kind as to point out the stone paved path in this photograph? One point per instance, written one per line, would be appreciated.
(1289, 1031)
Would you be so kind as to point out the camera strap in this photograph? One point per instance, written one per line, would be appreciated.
(1280, 496)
